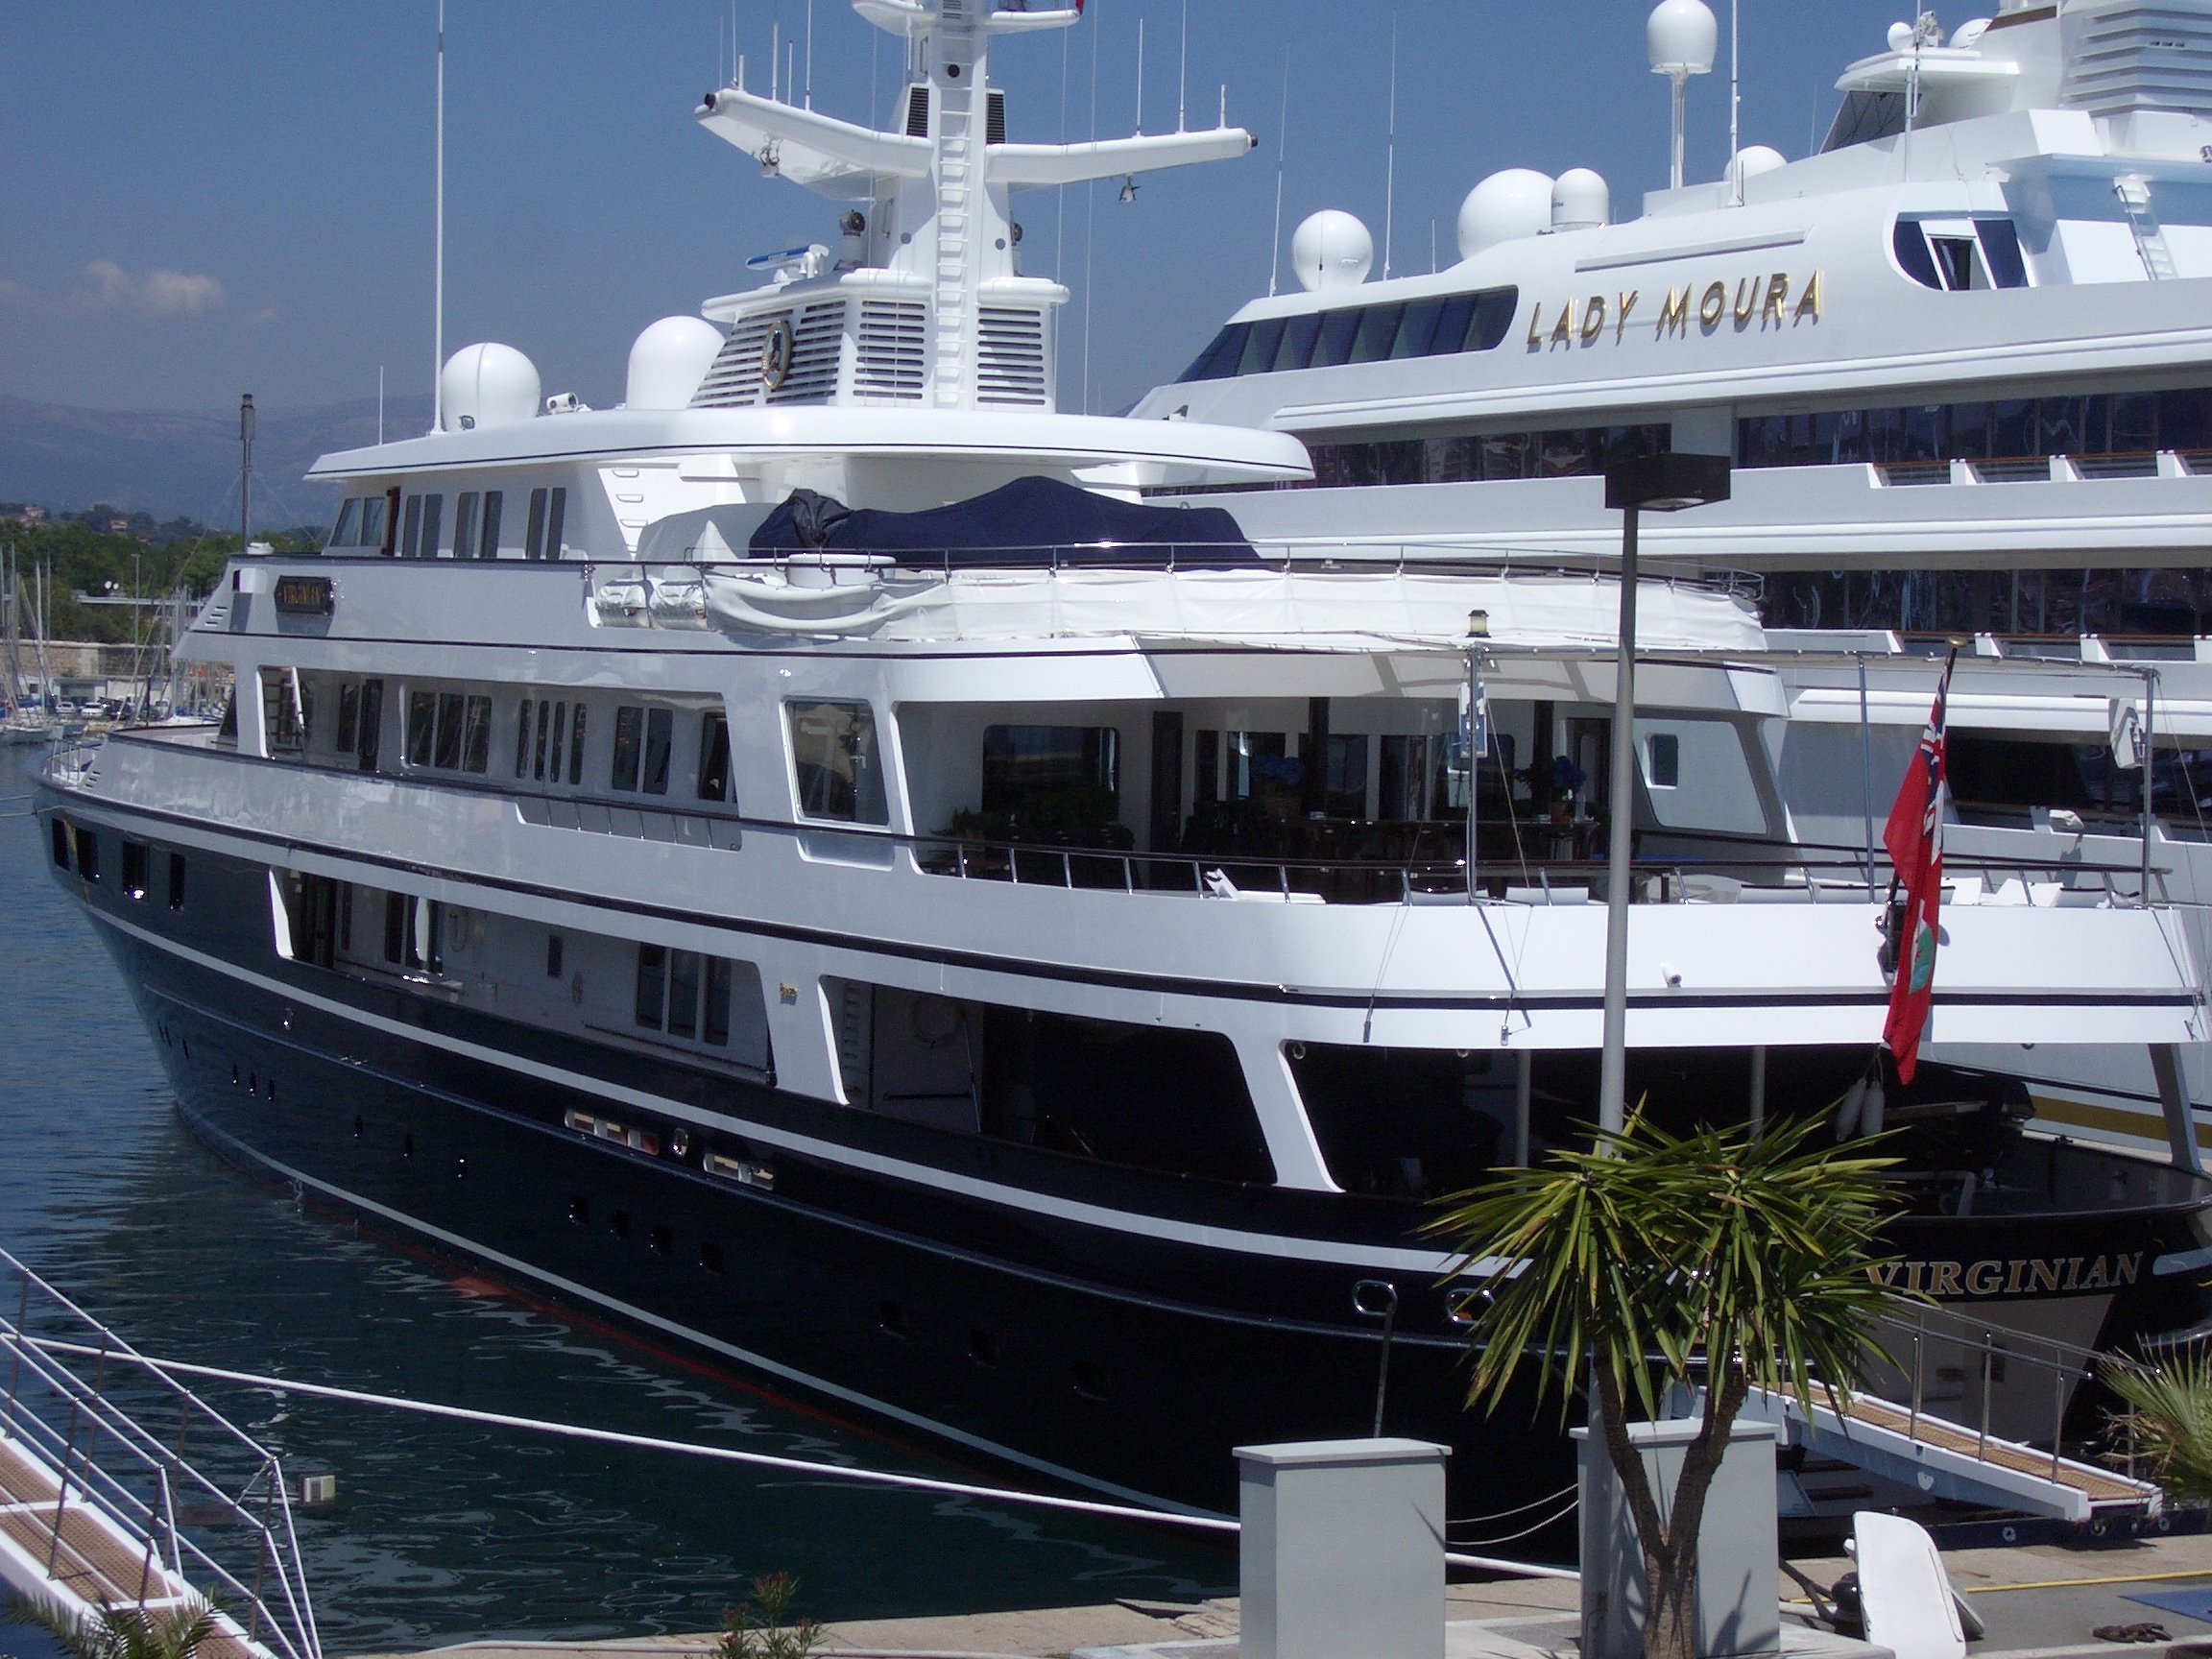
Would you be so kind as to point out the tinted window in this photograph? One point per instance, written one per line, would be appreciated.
(465, 525)
(576, 747)
(713, 757)
(834, 761)
(628, 739)
(2000, 248)
(1377, 329)
(1912, 256)
(1259, 346)
(421, 726)
(1339, 329)
(489, 542)
(1298, 337)
(659, 738)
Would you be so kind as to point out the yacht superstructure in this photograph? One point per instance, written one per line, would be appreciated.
(824, 875)
(1977, 339)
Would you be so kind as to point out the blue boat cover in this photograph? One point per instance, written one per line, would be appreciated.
(1031, 521)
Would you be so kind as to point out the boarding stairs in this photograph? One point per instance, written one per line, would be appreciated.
(99, 1512)
(2005, 1448)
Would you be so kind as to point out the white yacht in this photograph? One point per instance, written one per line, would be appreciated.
(1973, 332)
(807, 864)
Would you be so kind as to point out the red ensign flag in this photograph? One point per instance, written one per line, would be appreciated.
(1914, 838)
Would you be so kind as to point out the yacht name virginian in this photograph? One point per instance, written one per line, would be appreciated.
(2026, 1275)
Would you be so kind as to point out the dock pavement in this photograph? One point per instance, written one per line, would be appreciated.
(2038, 1602)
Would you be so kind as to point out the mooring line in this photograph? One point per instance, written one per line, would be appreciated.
(726, 1454)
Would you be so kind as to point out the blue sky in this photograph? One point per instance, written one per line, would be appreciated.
(205, 197)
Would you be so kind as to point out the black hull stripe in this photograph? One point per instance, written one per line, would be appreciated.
(1158, 984)
(1203, 1235)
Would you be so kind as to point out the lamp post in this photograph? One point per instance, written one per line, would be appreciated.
(1664, 483)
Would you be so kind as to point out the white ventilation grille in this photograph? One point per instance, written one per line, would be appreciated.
(740, 378)
(2123, 55)
(818, 341)
(1010, 366)
(734, 381)
(891, 362)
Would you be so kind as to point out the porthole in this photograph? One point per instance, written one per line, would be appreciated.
(680, 1143)
(234, 1074)
(406, 1146)
(460, 1168)
(619, 1223)
(982, 1347)
(711, 1256)
(892, 1318)
(1091, 1381)
(359, 1128)
(658, 1239)
(580, 1211)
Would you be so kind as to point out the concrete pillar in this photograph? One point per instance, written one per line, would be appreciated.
(1738, 1613)
(1342, 1549)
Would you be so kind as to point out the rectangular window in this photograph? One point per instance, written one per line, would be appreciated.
(713, 757)
(1344, 787)
(556, 523)
(553, 956)
(548, 512)
(394, 928)
(683, 994)
(534, 535)
(1663, 760)
(433, 513)
(1339, 329)
(487, 544)
(372, 723)
(135, 868)
(349, 716)
(465, 525)
(545, 720)
(576, 747)
(421, 726)
(1418, 331)
(1043, 771)
(374, 511)
(652, 984)
(716, 1026)
(411, 533)
(1297, 348)
(87, 854)
(660, 738)
(522, 740)
(176, 880)
(476, 736)
(348, 523)
(60, 844)
(1378, 332)
(628, 738)
(560, 745)
(449, 704)
(835, 762)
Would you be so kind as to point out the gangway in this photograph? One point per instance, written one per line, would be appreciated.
(2012, 1384)
(91, 1501)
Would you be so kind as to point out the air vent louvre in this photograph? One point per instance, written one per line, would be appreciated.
(2125, 55)
(734, 381)
(891, 358)
(995, 119)
(1010, 364)
(917, 111)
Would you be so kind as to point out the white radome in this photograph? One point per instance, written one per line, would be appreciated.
(668, 360)
(1580, 199)
(1331, 250)
(1505, 208)
(1681, 38)
(1752, 161)
(486, 385)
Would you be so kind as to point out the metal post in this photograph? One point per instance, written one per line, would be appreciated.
(1982, 1446)
(2150, 767)
(1758, 1089)
(2057, 1413)
(16, 1350)
(1473, 691)
(1866, 772)
(1523, 1091)
(1613, 1067)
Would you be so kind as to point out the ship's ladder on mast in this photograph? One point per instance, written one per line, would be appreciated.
(2134, 193)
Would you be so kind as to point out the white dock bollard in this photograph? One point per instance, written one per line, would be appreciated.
(1342, 1549)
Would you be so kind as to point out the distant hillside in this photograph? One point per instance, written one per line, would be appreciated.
(183, 464)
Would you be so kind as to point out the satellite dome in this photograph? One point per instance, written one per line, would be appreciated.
(1900, 37)
(1580, 200)
(668, 361)
(1752, 161)
(486, 385)
(1970, 33)
(1331, 250)
(1505, 208)
(1681, 38)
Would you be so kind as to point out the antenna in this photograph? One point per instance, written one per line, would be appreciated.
(1390, 153)
(775, 55)
(1281, 150)
(438, 304)
(245, 470)
(1140, 74)
(1183, 68)
(1090, 205)
(379, 402)
(810, 54)
(1735, 102)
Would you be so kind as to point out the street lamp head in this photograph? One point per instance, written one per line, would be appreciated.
(1667, 482)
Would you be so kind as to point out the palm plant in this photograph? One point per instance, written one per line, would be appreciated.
(1653, 1260)
(760, 1632)
(2170, 1413)
(125, 1631)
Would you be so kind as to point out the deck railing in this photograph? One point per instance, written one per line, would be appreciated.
(231, 1491)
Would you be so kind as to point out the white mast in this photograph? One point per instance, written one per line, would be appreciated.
(1735, 105)
(1390, 153)
(438, 304)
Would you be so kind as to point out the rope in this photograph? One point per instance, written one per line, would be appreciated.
(723, 1454)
